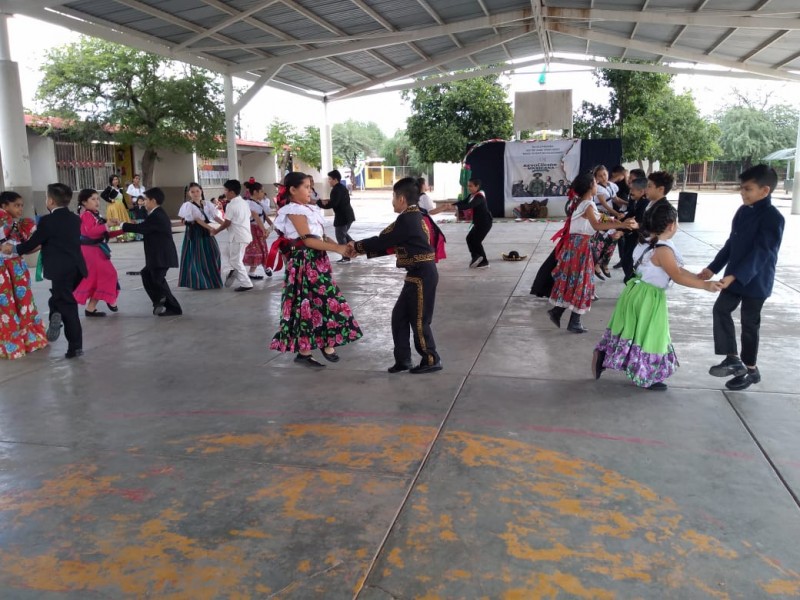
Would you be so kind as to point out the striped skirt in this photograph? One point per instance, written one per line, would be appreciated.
(200, 260)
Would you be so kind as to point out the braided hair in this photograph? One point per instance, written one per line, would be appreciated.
(656, 221)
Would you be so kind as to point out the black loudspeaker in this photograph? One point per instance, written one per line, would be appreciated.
(687, 206)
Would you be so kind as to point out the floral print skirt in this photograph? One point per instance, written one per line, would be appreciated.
(573, 277)
(637, 340)
(314, 314)
(256, 253)
(21, 328)
(603, 247)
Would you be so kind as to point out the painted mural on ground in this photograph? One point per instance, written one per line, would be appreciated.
(299, 511)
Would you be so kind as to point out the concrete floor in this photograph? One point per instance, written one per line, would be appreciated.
(181, 459)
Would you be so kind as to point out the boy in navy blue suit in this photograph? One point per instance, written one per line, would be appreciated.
(750, 254)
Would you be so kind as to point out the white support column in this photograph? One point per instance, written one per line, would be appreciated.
(326, 148)
(796, 187)
(14, 151)
(230, 129)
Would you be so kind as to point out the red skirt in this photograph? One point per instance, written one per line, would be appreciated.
(573, 277)
(257, 251)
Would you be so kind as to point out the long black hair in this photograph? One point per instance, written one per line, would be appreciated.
(656, 220)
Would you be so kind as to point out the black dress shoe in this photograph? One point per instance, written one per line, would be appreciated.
(742, 382)
(732, 365)
(54, 327)
(658, 387)
(170, 313)
(112, 307)
(308, 361)
(399, 367)
(94, 313)
(330, 356)
(256, 277)
(241, 288)
(419, 369)
(600, 276)
(74, 353)
(555, 316)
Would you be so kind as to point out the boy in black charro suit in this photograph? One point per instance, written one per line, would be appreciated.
(160, 253)
(59, 235)
(409, 237)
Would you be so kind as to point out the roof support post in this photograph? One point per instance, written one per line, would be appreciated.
(14, 150)
(796, 187)
(326, 148)
(230, 128)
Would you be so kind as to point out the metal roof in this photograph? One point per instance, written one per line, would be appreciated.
(343, 48)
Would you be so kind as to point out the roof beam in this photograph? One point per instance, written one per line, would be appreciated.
(662, 49)
(85, 24)
(742, 19)
(390, 39)
(720, 40)
(440, 59)
(786, 61)
(234, 18)
(764, 45)
(635, 27)
(537, 6)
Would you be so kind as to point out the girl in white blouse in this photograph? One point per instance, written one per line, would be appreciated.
(314, 314)
(200, 256)
(573, 277)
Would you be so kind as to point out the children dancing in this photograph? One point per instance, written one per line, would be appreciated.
(637, 340)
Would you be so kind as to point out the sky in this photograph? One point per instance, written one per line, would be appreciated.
(388, 110)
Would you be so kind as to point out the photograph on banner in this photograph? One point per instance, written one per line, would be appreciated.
(536, 170)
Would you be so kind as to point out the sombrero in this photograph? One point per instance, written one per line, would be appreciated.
(513, 256)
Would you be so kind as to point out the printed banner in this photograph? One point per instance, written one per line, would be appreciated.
(538, 170)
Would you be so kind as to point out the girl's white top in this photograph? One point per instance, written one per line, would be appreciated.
(652, 274)
(426, 202)
(580, 224)
(190, 212)
(312, 213)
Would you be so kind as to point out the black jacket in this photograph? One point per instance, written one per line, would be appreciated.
(159, 247)
(340, 203)
(59, 235)
(481, 217)
(751, 251)
(408, 235)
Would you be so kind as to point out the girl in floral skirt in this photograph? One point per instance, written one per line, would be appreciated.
(21, 329)
(637, 340)
(573, 277)
(314, 314)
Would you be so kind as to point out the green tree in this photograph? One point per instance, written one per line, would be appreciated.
(593, 121)
(354, 140)
(747, 134)
(447, 117)
(143, 98)
(307, 147)
(282, 135)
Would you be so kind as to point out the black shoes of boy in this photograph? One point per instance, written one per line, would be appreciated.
(74, 353)
(160, 307)
(54, 327)
(241, 288)
(400, 367)
(742, 382)
(423, 368)
(732, 365)
(308, 361)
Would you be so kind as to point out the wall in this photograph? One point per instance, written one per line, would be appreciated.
(173, 171)
(445, 177)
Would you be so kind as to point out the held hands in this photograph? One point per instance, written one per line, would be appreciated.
(113, 222)
(350, 250)
(631, 223)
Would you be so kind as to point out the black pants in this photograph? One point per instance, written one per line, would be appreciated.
(725, 332)
(475, 239)
(414, 310)
(626, 249)
(156, 286)
(342, 237)
(62, 301)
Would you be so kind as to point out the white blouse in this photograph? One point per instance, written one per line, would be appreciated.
(190, 212)
(653, 274)
(312, 213)
(580, 224)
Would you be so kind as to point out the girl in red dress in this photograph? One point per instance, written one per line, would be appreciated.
(21, 329)
(101, 283)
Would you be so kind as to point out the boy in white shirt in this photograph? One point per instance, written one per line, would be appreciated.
(237, 219)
